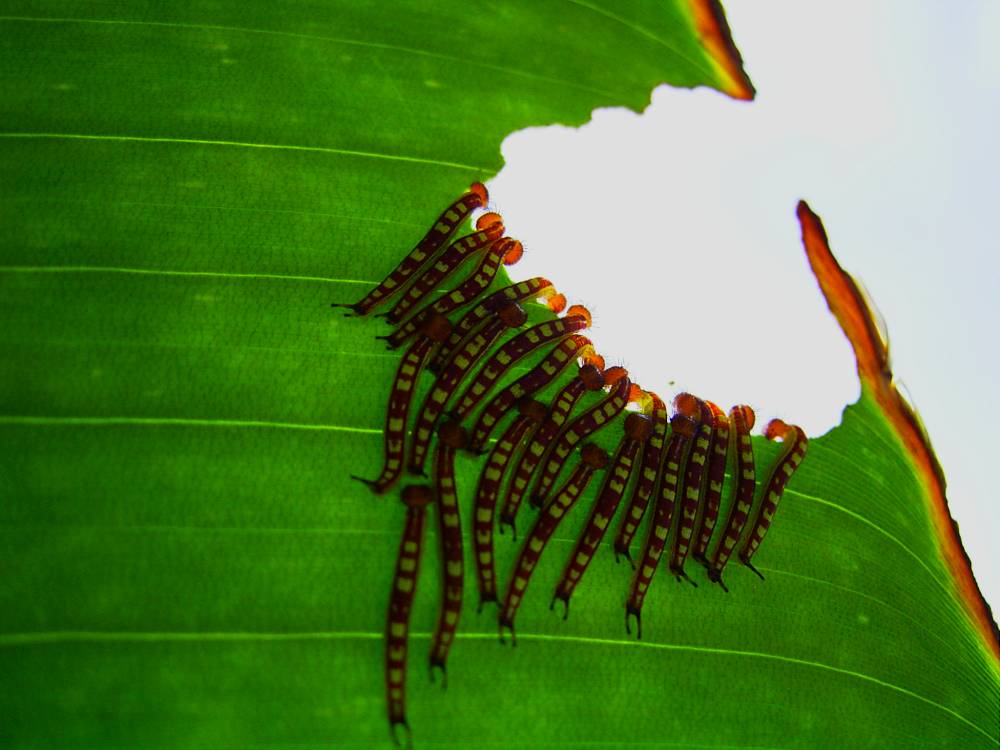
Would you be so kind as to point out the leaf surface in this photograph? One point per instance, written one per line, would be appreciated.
(185, 563)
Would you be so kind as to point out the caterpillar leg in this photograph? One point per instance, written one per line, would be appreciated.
(680, 575)
(394, 728)
(746, 561)
(508, 623)
(444, 674)
(631, 611)
(508, 520)
(389, 347)
(564, 599)
(624, 552)
(378, 486)
(355, 312)
(715, 576)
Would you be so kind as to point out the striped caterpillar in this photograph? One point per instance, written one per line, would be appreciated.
(672, 460)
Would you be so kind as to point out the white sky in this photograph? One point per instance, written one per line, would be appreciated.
(881, 115)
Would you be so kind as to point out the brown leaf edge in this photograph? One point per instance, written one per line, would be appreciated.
(709, 21)
(856, 317)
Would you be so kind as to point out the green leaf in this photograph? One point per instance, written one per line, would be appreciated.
(184, 561)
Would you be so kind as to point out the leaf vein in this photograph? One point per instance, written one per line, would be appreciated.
(57, 637)
(35, 421)
(247, 144)
(338, 40)
(165, 272)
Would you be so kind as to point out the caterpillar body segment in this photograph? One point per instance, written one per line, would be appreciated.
(489, 227)
(588, 378)
(516, 349)
(682, 429)
(692, 493)
(451, 437)
(795, 444)
(404, 584)
(592, 458)
(548, 369)
(511, 316)
(434, 330)
(503, 251)
(581, 428)
(638, 429)
(436, 236)
(649, 473)
(530, 415)
(534, 288)
(716, 471)
(741, 420)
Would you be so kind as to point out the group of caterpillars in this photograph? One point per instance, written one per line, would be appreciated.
(679, 460)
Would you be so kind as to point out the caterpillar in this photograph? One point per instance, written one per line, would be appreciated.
(713, 491)
(542, 374)
(682, 429)
(503, 251)
(535, 288)
(434, 330)
(592, 458)
(589, 378)
(690, 450)
(741, 420)
(489, 227)
(638, 429)
(437, 235)
(693, 492)
(510, 316)
(531, 413)
(582, 427)
(795, 444)
(451, 437)
(516, 349)
(416, 498)
(649, 473)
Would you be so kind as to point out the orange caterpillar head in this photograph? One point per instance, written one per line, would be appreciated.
(776, 429)
(479, 190)
(556, 302)
(718, 415)
(745, 413)
(587, 354)
(613, 374)
(513, 253)
(688, 405)
(551, 298)
(582, 312)
(489, 220)
(640, 398)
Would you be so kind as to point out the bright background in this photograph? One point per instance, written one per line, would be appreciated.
(884, 117)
